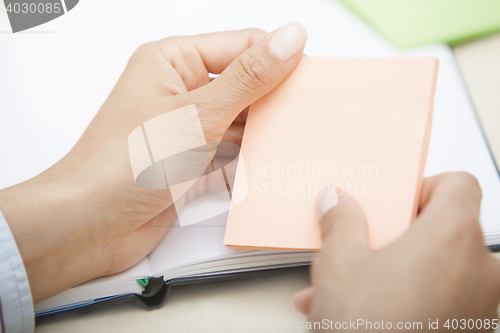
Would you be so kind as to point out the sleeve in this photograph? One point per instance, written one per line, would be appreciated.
(16, 305)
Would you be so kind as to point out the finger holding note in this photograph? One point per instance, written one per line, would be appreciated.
(438, 271)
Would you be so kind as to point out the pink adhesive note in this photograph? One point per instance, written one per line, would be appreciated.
(361, 124)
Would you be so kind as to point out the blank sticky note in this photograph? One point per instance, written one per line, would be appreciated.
(409, 23)
(360, 124)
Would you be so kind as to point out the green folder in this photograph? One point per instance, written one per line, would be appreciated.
(410, 23)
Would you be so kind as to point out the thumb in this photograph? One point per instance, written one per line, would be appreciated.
(253, 74)
(343, 223)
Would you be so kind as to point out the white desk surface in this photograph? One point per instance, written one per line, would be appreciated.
(55, 77)
(250, 305)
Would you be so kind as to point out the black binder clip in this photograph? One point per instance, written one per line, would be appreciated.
(154, 294)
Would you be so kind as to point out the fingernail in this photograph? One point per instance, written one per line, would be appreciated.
(326, 200)
(287, 41)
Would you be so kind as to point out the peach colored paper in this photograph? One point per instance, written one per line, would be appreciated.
(366, 121)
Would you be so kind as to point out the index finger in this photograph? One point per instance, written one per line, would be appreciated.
(459, 188)
(451, 203)
(194, 57)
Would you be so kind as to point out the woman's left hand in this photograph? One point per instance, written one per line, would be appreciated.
(85, 217)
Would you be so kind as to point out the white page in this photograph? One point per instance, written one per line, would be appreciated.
(54, 81)
(139, 270)
(191, 243)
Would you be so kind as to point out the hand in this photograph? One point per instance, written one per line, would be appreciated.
(85, 217)
(439, 270)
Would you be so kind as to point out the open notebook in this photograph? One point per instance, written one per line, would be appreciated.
(198, 251)
(405, 90)
(194, 250)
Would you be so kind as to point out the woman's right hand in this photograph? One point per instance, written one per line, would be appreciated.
(439, 270)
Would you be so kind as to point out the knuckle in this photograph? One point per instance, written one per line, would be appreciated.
(256, 34)
(171, 40)
(466, 179)
(171, 45)
(461, 189)
(252, 72)
(144, 50)
(153, 54)
(145, 54)
(256, 31)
